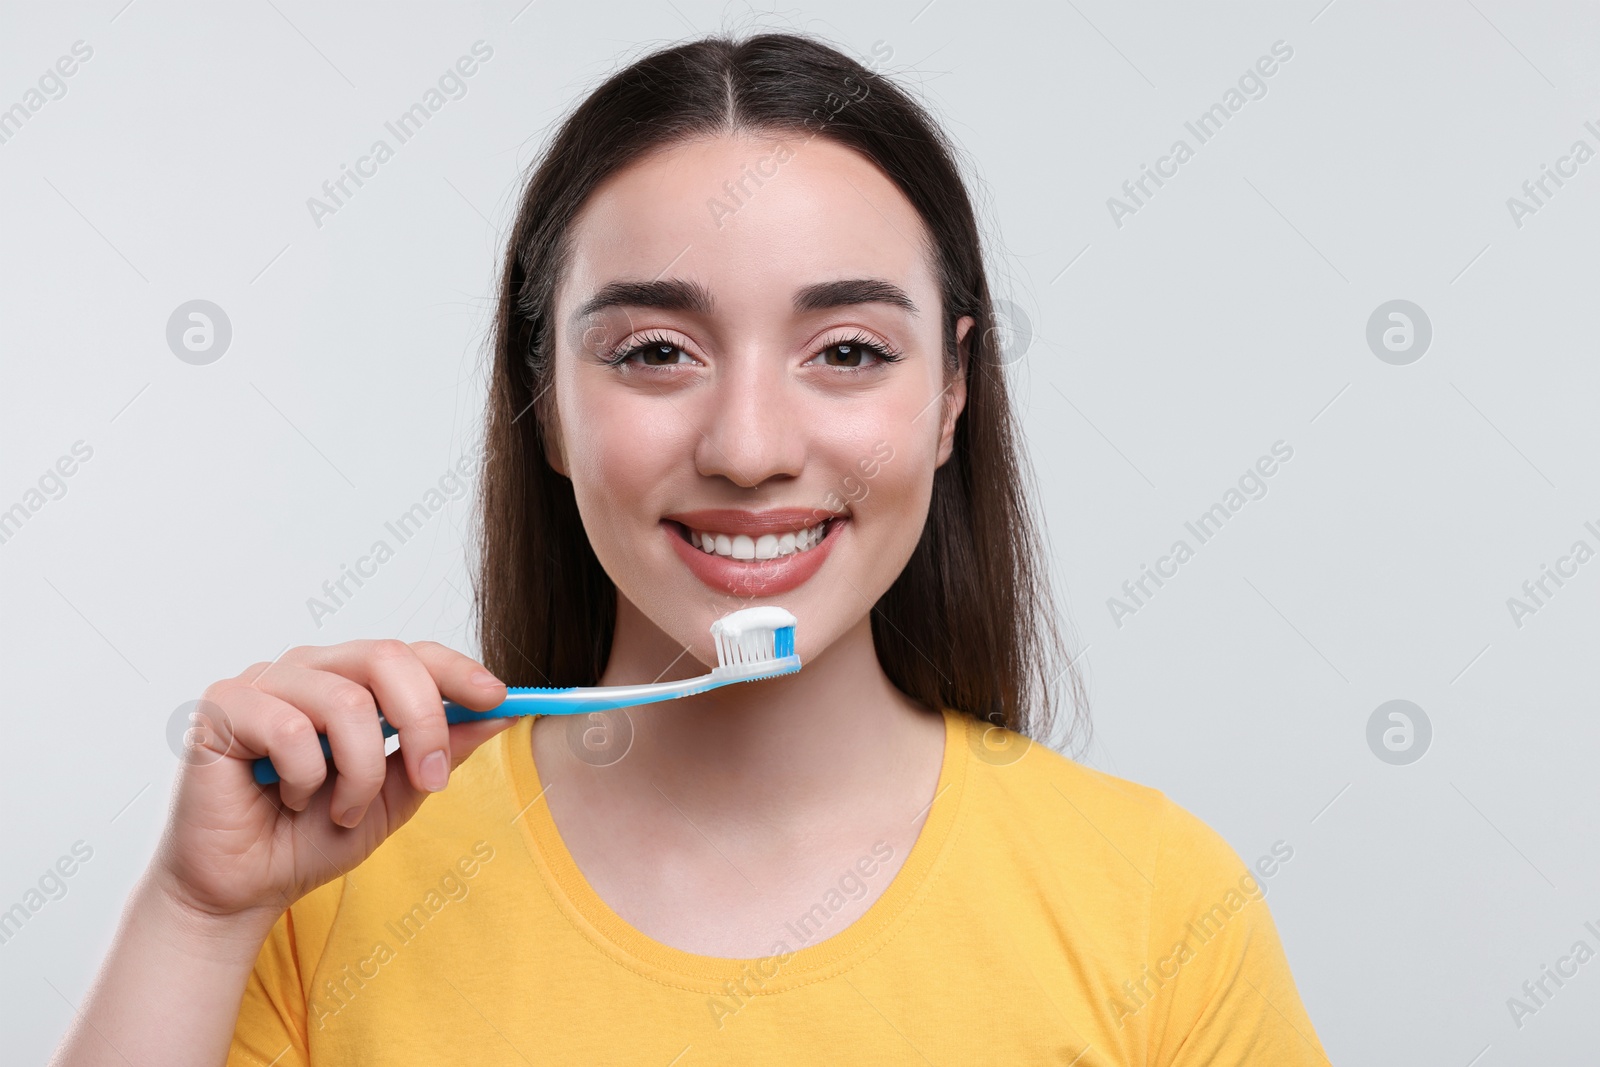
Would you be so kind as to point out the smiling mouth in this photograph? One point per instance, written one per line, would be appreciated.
(754, 549)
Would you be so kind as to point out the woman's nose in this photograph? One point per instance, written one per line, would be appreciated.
(751, 425)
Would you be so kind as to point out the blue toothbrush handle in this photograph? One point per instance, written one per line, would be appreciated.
(266, 773)
(579, 700)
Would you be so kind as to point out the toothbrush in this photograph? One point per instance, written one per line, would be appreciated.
(752, 644)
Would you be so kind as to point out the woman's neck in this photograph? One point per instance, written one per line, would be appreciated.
(777, 750)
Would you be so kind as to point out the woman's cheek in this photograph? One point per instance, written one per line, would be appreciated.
(887, 482)
(619, 442)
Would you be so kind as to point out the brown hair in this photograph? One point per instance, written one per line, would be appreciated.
(969, 622)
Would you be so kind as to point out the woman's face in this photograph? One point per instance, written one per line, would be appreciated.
(726, 338)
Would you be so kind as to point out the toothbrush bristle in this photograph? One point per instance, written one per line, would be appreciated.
(756, 646)
(753, 636)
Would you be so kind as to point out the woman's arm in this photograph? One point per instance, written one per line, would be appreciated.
(233, 855)
(168, 992)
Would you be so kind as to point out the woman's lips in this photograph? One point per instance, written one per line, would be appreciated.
(753, 577)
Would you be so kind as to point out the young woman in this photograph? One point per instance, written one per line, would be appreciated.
(744, 354)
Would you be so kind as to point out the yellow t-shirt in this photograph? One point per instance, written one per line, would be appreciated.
(1047, 912)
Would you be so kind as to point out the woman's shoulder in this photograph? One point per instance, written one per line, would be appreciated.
(1075, 809)
(1159, 892)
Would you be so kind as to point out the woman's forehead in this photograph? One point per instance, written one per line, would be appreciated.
(753, 220)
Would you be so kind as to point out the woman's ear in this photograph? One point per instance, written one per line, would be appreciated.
(955, 400)
(550, 437)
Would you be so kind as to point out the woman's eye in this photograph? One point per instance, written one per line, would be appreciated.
(659, 355)
(855, 353)
(652, 354)
(849, 355)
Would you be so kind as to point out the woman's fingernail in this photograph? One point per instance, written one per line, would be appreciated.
(435, 768)
(350, 816)
(485, 679)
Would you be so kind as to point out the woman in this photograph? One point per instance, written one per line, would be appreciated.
(743, 314)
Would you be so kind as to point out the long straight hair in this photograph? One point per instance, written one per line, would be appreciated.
(969, 623)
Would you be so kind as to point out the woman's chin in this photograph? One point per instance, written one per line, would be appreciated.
(815, 591)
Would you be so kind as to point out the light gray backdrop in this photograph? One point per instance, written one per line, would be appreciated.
(1160, 348)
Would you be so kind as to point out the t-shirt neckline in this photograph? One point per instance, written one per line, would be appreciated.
(625, 944)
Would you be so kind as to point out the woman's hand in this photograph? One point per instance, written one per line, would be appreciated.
(233, 847)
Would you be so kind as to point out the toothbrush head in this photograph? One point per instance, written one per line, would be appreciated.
(755, 642)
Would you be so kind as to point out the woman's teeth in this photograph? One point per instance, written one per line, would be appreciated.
(767, 546)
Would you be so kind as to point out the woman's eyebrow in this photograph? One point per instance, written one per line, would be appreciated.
(681, 295)
(851, 291)
(669, 295)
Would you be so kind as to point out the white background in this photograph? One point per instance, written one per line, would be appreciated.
(1167, 355)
